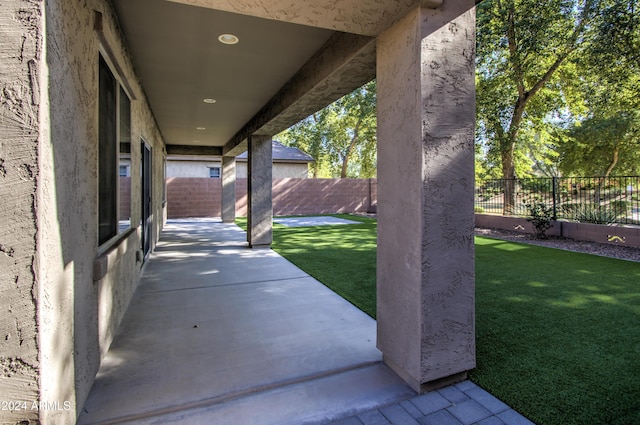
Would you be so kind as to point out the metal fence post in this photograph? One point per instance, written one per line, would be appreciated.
(553, 194)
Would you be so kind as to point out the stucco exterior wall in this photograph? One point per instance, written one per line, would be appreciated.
(200, 169)
(280, 170)
(21, 32)
(191, 169)
(62, 296)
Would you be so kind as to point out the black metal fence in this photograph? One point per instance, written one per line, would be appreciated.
(601, 200)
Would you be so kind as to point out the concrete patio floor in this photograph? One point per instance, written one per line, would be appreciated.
(217, 333)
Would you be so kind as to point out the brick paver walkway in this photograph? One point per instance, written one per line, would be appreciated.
(461, 404)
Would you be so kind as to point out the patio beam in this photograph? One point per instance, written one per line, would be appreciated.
(343, 64)
(194, 150)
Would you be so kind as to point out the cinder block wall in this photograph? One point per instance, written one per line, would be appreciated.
(195, 197)
(202, 197)
(320, 196)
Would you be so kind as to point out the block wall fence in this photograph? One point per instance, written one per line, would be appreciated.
(202, 197)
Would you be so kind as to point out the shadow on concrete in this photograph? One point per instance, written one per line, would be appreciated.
(219, 333)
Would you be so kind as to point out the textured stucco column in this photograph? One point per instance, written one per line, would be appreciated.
(21, 120)
(228, 189)
(259, 205)
(426, 115)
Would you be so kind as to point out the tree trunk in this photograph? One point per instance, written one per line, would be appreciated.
(347, 154)
(509, 174)
(607, 173)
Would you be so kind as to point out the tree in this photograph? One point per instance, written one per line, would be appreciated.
(341, 137)
(524, 72)
(607, 140)
(614, 54)
(308, 135)
(601, 144)
(356, 124)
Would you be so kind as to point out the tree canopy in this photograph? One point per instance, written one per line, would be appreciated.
(340, 137)
(547, 66)
(558, 92)
(600, 144)
(555, 79)
(606, 140)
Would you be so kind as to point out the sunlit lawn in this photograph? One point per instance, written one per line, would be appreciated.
(558, 333)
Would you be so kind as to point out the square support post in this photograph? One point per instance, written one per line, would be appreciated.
(425, 265)
(228, 189)
(259, 202)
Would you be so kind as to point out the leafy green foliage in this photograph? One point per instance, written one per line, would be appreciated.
(556, 79)
(541, 216)
(522, 45)
(341, 137)
(602, 145)
(592, 213)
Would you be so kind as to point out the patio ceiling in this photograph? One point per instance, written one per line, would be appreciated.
(292, 59)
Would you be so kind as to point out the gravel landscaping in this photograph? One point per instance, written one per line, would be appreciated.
(606, 250)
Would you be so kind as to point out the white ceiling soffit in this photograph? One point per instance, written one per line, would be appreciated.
(292, 59)
(180, 62)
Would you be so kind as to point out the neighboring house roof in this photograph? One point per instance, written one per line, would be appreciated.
(282, 153)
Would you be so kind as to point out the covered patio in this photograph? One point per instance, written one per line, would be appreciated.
(226, 77)
(102, 91)
(220, 333)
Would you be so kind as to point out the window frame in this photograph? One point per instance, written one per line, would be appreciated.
(211, 171)
(109, 229)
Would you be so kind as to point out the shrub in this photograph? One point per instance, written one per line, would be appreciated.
(540, 216)
(478, 210)
(593, 213)
(621, 208)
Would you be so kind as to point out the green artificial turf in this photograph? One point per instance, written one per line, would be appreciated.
(558, 333)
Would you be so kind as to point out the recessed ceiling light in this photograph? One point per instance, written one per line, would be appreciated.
(228, 39)
(209, 100)
(201, 128)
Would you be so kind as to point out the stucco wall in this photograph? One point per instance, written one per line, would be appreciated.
(84, 288)
(280, 170)
(191, 168)
(21, 30)
(200, 169)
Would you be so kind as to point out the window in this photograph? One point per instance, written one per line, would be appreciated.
(214, 172)
(124, 171)
(114, 139)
